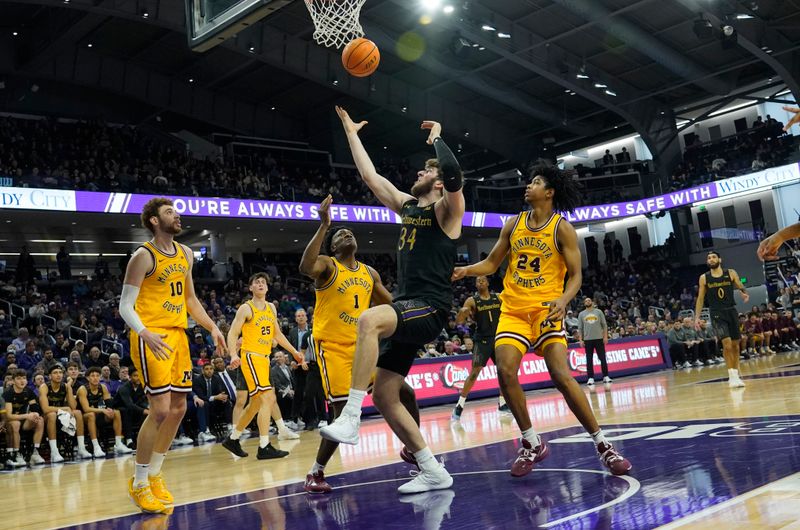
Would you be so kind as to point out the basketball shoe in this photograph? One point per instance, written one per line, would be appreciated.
(316, 483)
(528, 456)
(615, 462)
(160, 490)
(456, 415)
(434, 479)
(269, 452)
(343, 430)
(234, 447)
(144, 499)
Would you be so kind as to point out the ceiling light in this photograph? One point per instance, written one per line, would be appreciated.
(272, 108)
(611, 92)
(430, 4)
(448, 9)
(567, 91)
(743, 16)
(89, 45)
(487, 27)
(296, 240)
(502, 35)
(255, 239)
(581, 75)
(466, 134)
(47, 240)
(145, 14)
(82, 241)
(600, 85)
(251, 49)
(191, 79)
(370, 241)
(15, 33)
(481, 48)
(403, 109)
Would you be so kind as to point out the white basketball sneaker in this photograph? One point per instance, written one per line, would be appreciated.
(344, 430)
(436, 479)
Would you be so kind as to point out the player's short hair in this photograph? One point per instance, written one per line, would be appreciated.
(432, 162)
(715, 253)
(93, 370)
(150, 209)
(566, 196)
(328, 243)
(258, 275)
(55, 367)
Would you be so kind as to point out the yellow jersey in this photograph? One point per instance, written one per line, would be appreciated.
(161, 302)
(536, 269)
(340, 302)
(258, 333)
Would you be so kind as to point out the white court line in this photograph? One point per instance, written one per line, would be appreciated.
(732, 502)
(794, 364)
(633, 489)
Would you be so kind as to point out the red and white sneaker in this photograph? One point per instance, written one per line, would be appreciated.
(408, 456)
(316, 483)
(615, 462)
(527, 457)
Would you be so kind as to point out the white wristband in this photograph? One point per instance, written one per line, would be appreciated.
(126, 301)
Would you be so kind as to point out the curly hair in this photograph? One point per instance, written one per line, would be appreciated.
(150, 209)
(566, 196)
(326, 245)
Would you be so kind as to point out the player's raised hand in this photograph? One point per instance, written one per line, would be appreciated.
(156, 343)
(794, 119)
(349, 125)
(325, 210)
(458, 274)
(436, 130)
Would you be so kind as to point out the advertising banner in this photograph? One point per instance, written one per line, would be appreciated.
(131, 203)
(439, 380)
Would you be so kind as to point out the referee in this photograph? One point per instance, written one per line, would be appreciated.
(594, 336)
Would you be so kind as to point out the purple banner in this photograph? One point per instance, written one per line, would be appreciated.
(302, 211)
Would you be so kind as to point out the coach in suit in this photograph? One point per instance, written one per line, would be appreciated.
(280, 377)
(209, 388)
(296, 335)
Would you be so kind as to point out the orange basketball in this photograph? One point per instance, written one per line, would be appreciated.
(360, 57)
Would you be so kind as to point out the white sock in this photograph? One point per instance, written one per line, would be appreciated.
(118, 440)
(354, 401)
(426, 460)
(155, 463)
(280, 425)
(733, 373)
(599, 437)
(235, 434)
(461, 402)
(501, 401)
(81, 443)
(36, 447)
(532, 437)
(263, 441)
(53, 446)
(140, 475)
(95, 444)
(316, 468)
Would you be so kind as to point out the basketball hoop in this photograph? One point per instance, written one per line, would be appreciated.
(335, 21)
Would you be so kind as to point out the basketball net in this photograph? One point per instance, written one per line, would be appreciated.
(335, 21)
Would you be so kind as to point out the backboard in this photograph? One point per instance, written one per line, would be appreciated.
(210, 22)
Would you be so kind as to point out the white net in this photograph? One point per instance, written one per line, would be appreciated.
(335, 21)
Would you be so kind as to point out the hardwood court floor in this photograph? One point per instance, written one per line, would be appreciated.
(678, 407)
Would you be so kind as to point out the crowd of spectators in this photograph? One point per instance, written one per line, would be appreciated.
(764, 145)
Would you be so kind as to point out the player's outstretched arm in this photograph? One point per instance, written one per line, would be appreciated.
(794, 119)
(195, 308)
(768, 249)
(492, 262)
(319, 268)
(453, 178)
(385, 191)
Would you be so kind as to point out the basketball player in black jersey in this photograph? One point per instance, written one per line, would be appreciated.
(716, 290)
(431, 219)
(484, 309)
(56, 396)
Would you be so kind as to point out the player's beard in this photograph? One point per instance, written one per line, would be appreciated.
(715, 267)
(422, 187)
(173, 229)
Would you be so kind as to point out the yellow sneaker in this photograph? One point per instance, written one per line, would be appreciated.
(159, 489)
(143, 498)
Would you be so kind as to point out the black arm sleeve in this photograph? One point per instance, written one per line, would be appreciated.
(448, 166)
